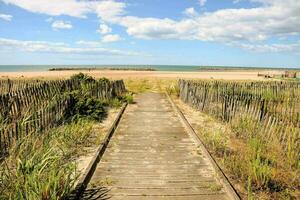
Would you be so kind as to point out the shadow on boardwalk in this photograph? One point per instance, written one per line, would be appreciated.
(97, 193)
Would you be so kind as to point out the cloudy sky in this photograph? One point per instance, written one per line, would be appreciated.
(182, 32)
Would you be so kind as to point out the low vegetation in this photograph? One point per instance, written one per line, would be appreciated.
(258, 168)
(260, 154)
(41, 165)
(252, 132)
(149, 85)
(263, 164)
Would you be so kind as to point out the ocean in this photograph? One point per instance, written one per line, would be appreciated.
(29, 68)
(183, 68)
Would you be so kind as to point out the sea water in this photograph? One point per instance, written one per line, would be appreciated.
(184, 68)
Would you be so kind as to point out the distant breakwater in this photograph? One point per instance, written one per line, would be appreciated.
(104, 68)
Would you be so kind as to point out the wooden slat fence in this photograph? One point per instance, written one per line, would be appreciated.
(276, 105)
(8, 86)
(41, 106)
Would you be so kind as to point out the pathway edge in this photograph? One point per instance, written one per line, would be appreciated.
(222, 177)
(86, 176)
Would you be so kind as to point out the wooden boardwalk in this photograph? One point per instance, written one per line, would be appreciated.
(151, 156)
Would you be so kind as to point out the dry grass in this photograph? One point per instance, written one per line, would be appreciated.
(258, 168)
(39, 167)
(139, 85)
(44, 166)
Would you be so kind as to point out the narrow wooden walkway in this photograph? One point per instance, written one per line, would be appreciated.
(151, 156)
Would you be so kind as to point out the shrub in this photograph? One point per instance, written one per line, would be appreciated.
(88, 108)
(104, 81)
(83, 78)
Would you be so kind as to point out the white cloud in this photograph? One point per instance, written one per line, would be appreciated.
(59, 24)
(111, 38)
(29, 45)
(202, 2)
(54, 7)
(89, 43)
(190, 12)
(52, 47)
(269, 19)
(75, 8)
(104, 29)
(275, 18)
(109, 10)
(6, 17)
(276, 48)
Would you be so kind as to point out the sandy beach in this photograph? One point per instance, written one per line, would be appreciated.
(113, 74)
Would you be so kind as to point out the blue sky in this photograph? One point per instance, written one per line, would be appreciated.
(170, 32)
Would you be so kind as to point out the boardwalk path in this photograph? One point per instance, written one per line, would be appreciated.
(151, 156)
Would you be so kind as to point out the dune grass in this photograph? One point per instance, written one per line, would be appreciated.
(139, 85)
(42, 166)
(259, 168)
(263, 164)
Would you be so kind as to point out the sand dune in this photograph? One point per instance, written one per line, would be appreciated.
(226, 75)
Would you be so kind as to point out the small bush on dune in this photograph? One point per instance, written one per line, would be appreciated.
(83, 78)
(84, 105)
(89, 108)
(104, 81)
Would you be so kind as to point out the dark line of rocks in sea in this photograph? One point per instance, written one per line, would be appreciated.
(102, 68)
